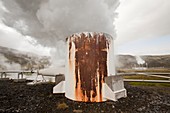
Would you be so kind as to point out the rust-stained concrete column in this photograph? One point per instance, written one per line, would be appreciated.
(89, 61)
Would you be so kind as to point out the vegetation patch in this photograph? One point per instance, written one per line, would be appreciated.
(144, 77)
(62, 106)
(77, 111)
(149, 84)
(158, 70)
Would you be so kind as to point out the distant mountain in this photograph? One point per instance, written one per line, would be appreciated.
(129, 61)
(14, 59)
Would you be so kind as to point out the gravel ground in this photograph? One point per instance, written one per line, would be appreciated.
(23, 98)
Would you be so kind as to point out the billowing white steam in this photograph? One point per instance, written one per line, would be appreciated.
(58, 54)
(139, 60)
(5, 64)
(66, 17)
(49, 21)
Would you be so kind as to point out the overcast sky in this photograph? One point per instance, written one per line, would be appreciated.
(12, 39)
(143, 27)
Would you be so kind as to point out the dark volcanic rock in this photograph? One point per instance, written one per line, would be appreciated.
(19, 97)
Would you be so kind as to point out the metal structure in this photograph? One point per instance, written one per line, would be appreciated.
(20, 74)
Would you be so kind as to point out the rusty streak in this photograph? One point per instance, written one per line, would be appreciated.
(90, 60)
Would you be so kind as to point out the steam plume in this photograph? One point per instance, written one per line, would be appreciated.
(139, 60)
(49, 21)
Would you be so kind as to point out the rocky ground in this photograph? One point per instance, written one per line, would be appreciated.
(23, 98)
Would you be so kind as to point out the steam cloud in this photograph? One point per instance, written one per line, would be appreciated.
(50, 21)
(6, 64)
(139, 60)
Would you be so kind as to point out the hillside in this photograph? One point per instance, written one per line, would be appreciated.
(129, 61)
(14, 59)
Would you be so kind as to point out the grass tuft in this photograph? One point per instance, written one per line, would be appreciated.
(62, 106)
